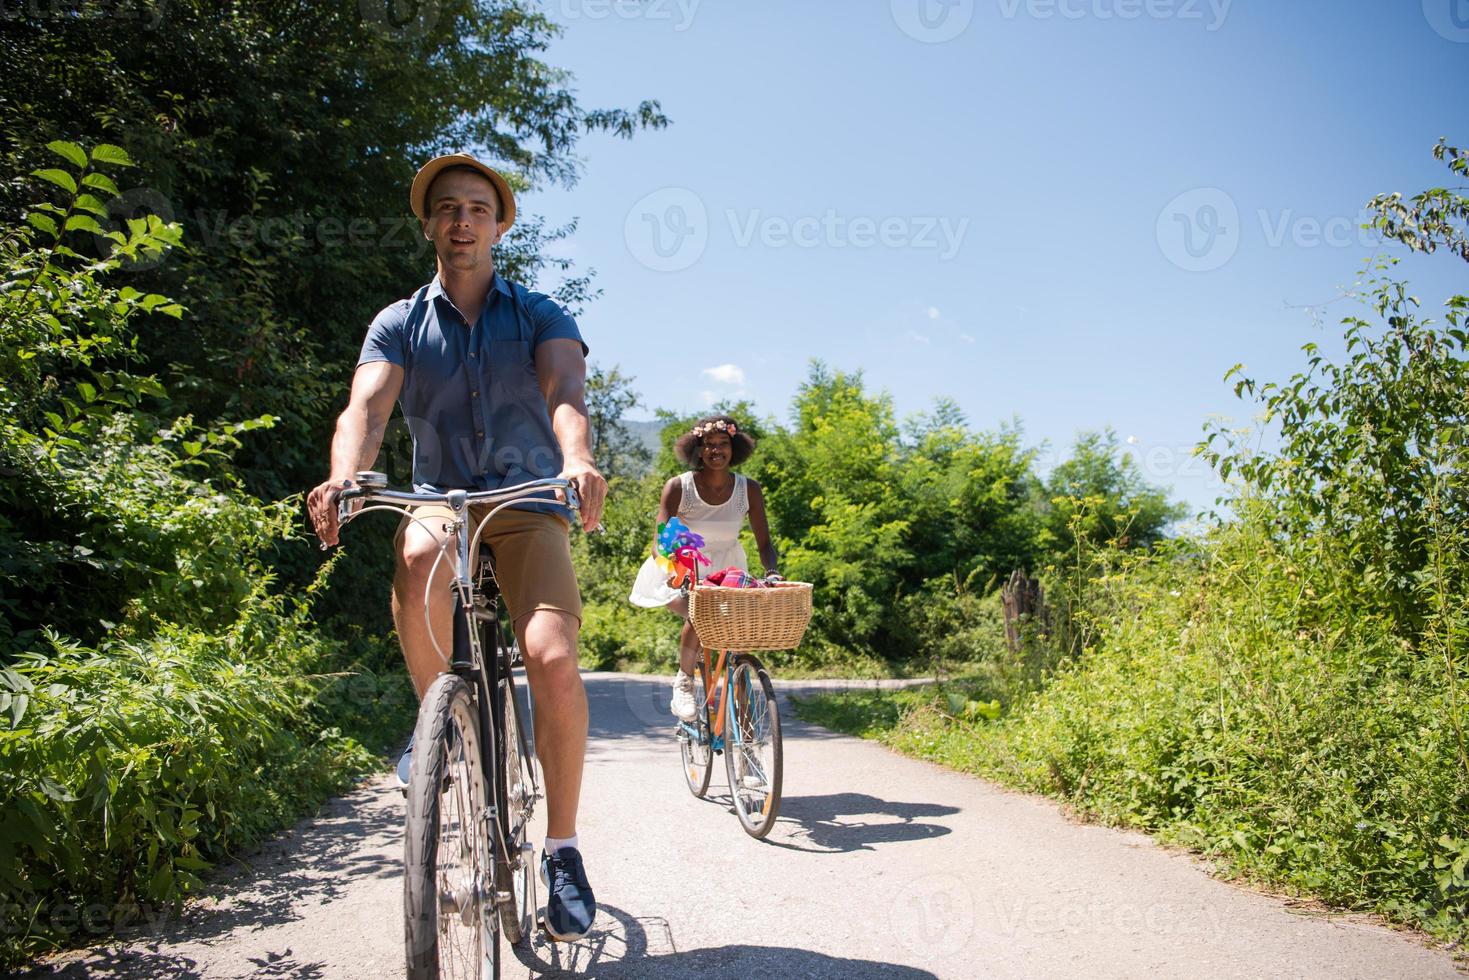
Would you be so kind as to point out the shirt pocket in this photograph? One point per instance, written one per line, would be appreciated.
(513, 369)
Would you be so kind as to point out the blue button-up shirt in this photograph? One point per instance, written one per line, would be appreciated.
(470, 394)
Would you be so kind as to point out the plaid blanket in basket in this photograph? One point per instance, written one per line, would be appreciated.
(733, 578)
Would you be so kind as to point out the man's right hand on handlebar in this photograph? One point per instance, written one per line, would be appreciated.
(321, 507)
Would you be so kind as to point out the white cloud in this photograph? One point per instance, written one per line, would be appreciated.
(933, 312)
(966, 338)
(1132, 440)
(725, 374)
(710, 397)
(916, 337)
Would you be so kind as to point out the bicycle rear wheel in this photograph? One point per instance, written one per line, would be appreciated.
(694, 743)
(451, 929)
(752, 750)
(515, 875)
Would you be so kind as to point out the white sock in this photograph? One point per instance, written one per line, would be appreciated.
(554, 844)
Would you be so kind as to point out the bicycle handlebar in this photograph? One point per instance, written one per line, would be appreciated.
(533, 490)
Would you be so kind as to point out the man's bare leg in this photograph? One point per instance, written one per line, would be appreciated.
(419, 549)
(548, 643)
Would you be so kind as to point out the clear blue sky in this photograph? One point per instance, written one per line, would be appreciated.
(1077, 212)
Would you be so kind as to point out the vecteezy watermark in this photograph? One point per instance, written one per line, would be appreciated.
(1201, 230)
(1450, 18)
(933, 914)
(831, 229)
(679, 13)
(212, 229)
(135, 203)
(1212, 13)
(403, 19)
(1025, 917)
(669, 229)
(148, 12)
(932, 21)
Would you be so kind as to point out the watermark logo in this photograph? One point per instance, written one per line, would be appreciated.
(933, 913)
(1210, 13)
(678, 13)
(832, 229)
(1449, 18)
(1202, 229)
(401, 19)
(932, 21)
(1199, 230)
(149, 13)
(135, 203)
(668, 230)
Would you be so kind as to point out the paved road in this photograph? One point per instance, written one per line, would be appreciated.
(880, 866)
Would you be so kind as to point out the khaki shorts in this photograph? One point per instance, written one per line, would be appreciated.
(532, 552)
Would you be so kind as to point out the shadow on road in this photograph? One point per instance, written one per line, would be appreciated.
(843, 822)
(125, 964)
(287, 878)
(623, 948)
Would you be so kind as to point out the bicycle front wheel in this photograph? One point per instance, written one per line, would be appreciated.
(752, 750)
(451, 929)
(515, 873)
(694, 743)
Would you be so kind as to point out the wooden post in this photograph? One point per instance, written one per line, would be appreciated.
(1021, 596)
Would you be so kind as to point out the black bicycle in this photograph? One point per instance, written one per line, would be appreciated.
(468, 861)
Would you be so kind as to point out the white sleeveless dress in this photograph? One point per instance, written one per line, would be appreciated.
(720, 525)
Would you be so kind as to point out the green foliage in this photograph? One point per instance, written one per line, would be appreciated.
(619, 451)
(1438, 217)
(905, 530)
(132, 766)
(1099, 498)
(1217, 709)
(159, 704)
(106, 517)
(1372, 472)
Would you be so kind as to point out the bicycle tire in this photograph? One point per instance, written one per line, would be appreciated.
(447, 791)
(515, 877)
(696, 752)
(757, 743)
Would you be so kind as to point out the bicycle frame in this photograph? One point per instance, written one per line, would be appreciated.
(482, 669)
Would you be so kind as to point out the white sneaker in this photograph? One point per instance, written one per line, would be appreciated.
(743, 775)
(683, 704)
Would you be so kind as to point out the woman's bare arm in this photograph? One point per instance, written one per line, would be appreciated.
(761, 526)
(668, 504)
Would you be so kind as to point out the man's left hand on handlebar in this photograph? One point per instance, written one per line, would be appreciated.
(591, 487)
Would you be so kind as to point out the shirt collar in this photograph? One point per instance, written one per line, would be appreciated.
(497, 285)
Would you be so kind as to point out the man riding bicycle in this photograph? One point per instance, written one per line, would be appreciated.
(491, 380)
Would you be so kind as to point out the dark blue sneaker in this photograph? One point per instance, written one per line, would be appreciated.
(570, 904)
(405, 766)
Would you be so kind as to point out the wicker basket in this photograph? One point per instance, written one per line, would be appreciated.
(773, 618)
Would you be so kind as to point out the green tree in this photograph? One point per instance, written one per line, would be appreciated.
(832, 490)
(619, 451)
(1099, 497)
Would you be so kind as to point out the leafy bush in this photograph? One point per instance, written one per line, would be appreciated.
(132, 766)
(161, 705)
(1218, 710)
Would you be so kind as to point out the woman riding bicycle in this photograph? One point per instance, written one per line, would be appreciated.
(713, 501)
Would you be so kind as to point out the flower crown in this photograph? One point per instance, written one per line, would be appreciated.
(700, 431)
